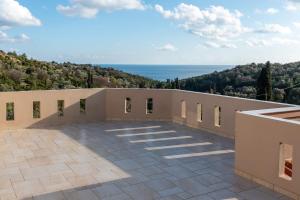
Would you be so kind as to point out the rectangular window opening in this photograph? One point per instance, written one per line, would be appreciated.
(217, 116)
(36, 106)
(10, 111)
(286, 161)
(82, 106)
(127, 105)
(199, 112)
(149, 104)
(183, 109)
(60, 107)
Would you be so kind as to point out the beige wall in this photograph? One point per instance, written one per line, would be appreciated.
(229, 106)
(257, 150)
(109, 104)
(115, 104)
(95, 102)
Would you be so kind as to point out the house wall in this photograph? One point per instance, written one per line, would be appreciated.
(257, 143)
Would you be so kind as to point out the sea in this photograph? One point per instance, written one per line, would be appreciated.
(164, 72)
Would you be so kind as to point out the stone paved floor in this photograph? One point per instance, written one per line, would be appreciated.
(121, 161)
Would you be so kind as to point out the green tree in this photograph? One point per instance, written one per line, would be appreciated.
(177, 83)
(264, 83)
(90, 80)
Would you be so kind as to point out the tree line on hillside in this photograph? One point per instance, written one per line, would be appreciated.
(17, 72)
(268, 81)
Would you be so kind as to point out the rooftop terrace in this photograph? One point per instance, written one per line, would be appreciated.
(146, 144)
(122, 160)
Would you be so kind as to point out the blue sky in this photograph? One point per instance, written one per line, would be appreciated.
(152, 31)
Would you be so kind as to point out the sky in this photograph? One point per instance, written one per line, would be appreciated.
(216, 32)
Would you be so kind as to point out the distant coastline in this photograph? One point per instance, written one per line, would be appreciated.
(164, 72)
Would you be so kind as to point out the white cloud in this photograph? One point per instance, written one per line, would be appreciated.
(14, 14)
(77, 10)
(167, 47)
(272, 11)
(6, 38)
(256, 42)
(274, 28)
(271, 41)
(269, 11)
(292, 5)
(215, 22)
(210, 44)
(296, 24)
(90, 8)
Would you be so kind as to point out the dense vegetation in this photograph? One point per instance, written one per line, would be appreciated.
(244, 81)
(17, 72)
(275, 82)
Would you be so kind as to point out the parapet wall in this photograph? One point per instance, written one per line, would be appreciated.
(259, 155)
(23, 107)
(228, 105)
(109, 104)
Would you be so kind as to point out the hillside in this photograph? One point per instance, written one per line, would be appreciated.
(17, 72)
(241, 81)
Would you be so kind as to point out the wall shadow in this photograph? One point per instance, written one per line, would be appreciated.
(144, 168)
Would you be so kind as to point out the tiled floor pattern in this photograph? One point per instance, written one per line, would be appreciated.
(121, 161)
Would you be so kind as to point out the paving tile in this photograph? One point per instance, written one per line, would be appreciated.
(224, 194)
(258, 194)
(170, 191)
(205, 197)
(81, 195)
(107, 191)
(160, 184)
(55, 183)
(140, 192)
(50, 196)
(25, 189)
(208, 179)
(117, 197)
(192, 187)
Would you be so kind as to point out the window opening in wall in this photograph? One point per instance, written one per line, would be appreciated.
(36, 106)
(127, 105)
(10, 111)
(60, 107)
(217, 116)
(183, 109)
(199, 112)
(149, 104)
(82, 106)
(286, 161)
